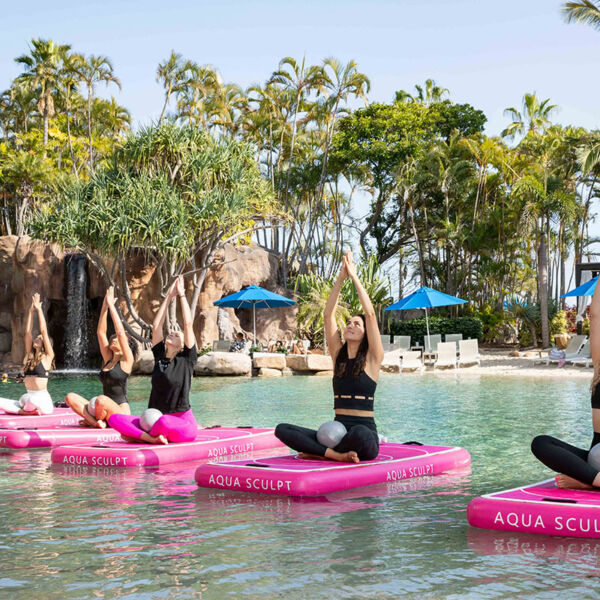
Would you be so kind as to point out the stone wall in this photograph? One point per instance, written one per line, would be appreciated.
(28, 266)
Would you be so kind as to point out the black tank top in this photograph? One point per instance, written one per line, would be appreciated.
(38, 371)
(356, 393)
(114, 383)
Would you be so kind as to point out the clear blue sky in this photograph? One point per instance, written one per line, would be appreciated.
(487, 53)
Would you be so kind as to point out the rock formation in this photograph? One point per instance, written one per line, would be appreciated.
(28, 266)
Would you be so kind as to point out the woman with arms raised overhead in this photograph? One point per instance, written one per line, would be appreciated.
(169, 417)
(352, 436)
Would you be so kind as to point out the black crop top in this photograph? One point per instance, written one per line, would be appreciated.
(357, 393)
(114, 383)
(171, 379)
(38, 371)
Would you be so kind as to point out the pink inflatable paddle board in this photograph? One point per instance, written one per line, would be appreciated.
(294, 476)
(61, 417)
(57, 436)
(209, 443)
(539, 508)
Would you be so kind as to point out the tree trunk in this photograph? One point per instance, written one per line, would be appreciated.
(543, 289)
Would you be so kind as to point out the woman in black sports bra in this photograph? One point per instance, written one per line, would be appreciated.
(357, 362)
(118, 362)
(570, 461)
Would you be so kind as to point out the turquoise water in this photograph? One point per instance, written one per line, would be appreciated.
(69, 533)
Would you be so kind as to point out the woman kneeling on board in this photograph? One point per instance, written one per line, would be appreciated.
(169, 417)
(352, 436)
(578, 468)
(39, 358)
(118, 360)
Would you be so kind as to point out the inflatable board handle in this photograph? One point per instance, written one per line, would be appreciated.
(562, 500)
(256, 465)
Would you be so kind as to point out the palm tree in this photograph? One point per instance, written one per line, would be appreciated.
(171, 73)
(582, 11)
(299, 80)
(93, 70)
(227, 106)
(42, 73)
(111, 119)
(534, 119)
(199, 83)
(27, 173)
(430, 93)
(70, 79)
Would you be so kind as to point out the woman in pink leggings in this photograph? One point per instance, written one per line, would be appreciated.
(174, 360)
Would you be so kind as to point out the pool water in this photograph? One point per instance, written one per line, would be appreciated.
(68, 532)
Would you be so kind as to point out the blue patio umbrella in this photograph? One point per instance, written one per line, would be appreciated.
(254, 297)
(426, 298)
(585, 289)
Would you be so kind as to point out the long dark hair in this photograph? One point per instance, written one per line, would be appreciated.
(341, 362)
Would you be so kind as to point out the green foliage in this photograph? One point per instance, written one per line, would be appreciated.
(204, 350)
(470, 327)
(282, 350)
(529, 319)
(166, 190)
(559, 323)
(449, 117)
(492, 323)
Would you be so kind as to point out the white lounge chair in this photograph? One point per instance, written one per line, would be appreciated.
(402, 342)
(584, 356)
(411, 360)
(453, 337)
(431, 343)
(469, 352)
(571, 351)
(221, 346)
(446, 355)
(392, 358)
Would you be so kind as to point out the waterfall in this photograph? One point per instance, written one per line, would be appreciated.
(76, 330)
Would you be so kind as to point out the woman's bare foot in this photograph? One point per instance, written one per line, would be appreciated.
(351, 456)
(568, 483)
(156, 439)
(307, 456)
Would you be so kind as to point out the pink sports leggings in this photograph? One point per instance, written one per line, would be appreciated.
(176, 427)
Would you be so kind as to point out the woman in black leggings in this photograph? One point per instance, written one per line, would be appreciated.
(357, 363)
(570, 461)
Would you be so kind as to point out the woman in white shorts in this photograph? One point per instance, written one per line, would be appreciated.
(39, 358)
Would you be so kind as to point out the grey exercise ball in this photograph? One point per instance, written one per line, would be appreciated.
(594, 457)
(330, 434)
(149, 417)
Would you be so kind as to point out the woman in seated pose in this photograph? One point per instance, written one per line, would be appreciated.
(118, 358)
(572, 462)
(39, 358)
(169, 417)
(357, 362)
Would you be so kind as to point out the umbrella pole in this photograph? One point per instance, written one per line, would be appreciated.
(427, 324)
(254, 320)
